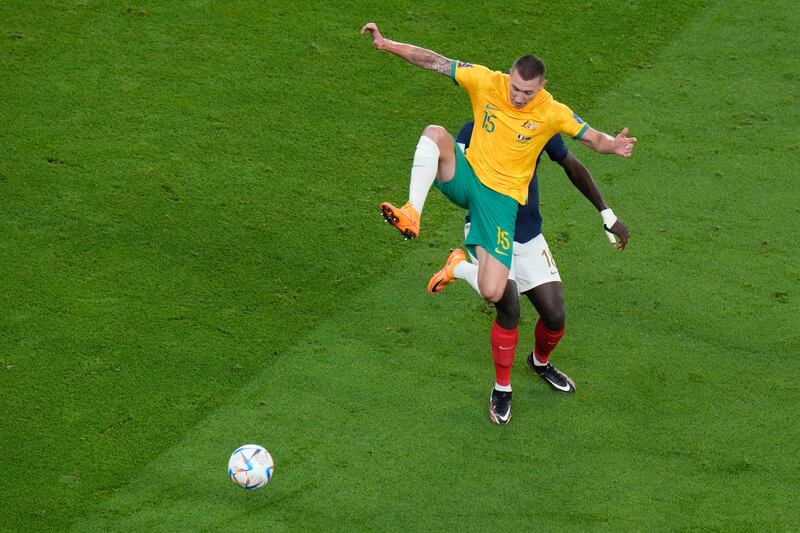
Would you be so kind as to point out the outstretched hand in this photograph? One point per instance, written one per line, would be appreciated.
(623, 145)
(377, 39)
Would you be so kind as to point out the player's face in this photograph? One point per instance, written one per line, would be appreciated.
(520, 91)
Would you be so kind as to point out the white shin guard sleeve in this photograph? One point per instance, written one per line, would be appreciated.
(423, 171)
(469, 272)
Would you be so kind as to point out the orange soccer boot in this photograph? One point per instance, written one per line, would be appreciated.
(445, 276)
(405, 219)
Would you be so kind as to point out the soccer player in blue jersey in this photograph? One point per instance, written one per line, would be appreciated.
(533, 268)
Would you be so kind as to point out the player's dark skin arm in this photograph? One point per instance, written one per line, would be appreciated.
(582, 180)
(548, 298)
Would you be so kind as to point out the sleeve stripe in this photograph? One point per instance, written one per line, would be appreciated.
(580, 133)
(453, 63)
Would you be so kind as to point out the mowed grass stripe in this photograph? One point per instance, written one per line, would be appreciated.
(336, 413)
(647, 443)
(369, 435)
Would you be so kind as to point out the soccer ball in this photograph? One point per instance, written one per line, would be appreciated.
(250, 466)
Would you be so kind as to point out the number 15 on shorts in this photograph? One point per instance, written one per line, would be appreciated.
(502, 239)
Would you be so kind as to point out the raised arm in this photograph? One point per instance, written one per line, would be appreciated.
(604, 143)
(580, 177)
(415, 55)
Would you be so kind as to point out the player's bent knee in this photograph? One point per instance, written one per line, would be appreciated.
(554, 320)
(433, 130)
(436, 133)
(492, 293)
(553, 316)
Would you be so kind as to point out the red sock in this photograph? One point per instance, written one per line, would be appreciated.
(504, 347)
(546, 341)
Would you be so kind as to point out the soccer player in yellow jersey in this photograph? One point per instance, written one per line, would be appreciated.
(514, 117)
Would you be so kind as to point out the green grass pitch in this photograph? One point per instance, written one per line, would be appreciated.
(192, 259)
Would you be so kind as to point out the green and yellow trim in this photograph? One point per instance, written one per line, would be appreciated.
(583, 130)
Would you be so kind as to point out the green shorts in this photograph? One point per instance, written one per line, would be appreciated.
(493, 215)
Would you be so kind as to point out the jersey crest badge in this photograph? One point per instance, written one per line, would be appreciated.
(529, 125)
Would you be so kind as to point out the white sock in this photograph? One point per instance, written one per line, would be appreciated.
(536, 360)
(502, 388)
(469, 272)
(423, 171)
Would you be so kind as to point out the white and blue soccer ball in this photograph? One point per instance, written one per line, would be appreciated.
(251, 466)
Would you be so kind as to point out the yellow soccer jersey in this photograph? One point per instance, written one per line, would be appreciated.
(506, 140)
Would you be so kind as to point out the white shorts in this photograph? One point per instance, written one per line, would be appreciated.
(531, 265)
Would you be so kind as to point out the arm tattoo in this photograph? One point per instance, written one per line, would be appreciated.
(431, 61)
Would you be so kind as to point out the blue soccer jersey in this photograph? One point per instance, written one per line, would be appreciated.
(529, 219)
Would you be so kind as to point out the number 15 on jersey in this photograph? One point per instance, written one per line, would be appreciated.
(488, 122)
